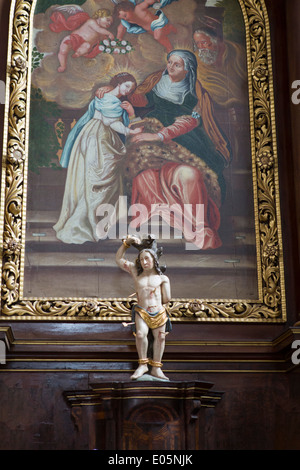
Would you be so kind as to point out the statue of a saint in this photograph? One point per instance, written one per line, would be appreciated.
(149, 314)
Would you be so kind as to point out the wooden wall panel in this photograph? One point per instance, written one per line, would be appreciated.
(256, 412)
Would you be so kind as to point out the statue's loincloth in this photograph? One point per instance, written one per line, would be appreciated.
(153, 320)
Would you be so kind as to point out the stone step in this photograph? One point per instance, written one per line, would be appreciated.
(105, 260)
(41, 222)
(48, 236)
(55, 269)
(115, 284)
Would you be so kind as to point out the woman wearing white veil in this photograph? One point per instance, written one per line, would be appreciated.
(176, 98)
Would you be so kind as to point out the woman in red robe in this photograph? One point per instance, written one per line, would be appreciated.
(176, 98)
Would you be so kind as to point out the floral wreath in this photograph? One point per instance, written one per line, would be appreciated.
(115, 46)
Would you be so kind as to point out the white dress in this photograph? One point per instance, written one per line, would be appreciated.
(94, 175)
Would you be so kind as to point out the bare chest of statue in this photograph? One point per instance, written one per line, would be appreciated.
(149, 291)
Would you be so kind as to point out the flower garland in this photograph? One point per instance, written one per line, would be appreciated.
(115, 46)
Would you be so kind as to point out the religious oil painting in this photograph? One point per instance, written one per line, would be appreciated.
(141, 117)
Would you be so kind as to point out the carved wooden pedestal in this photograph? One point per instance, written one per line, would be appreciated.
(143, 415)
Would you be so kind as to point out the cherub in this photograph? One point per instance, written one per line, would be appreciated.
(86, 32)
(137, 18)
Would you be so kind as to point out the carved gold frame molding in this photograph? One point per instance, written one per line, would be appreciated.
(270, 305)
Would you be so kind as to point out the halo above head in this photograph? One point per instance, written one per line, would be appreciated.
(120, 69)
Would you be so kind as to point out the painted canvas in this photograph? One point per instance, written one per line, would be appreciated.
(139, 123)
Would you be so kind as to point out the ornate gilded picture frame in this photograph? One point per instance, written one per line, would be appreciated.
(238, 276)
